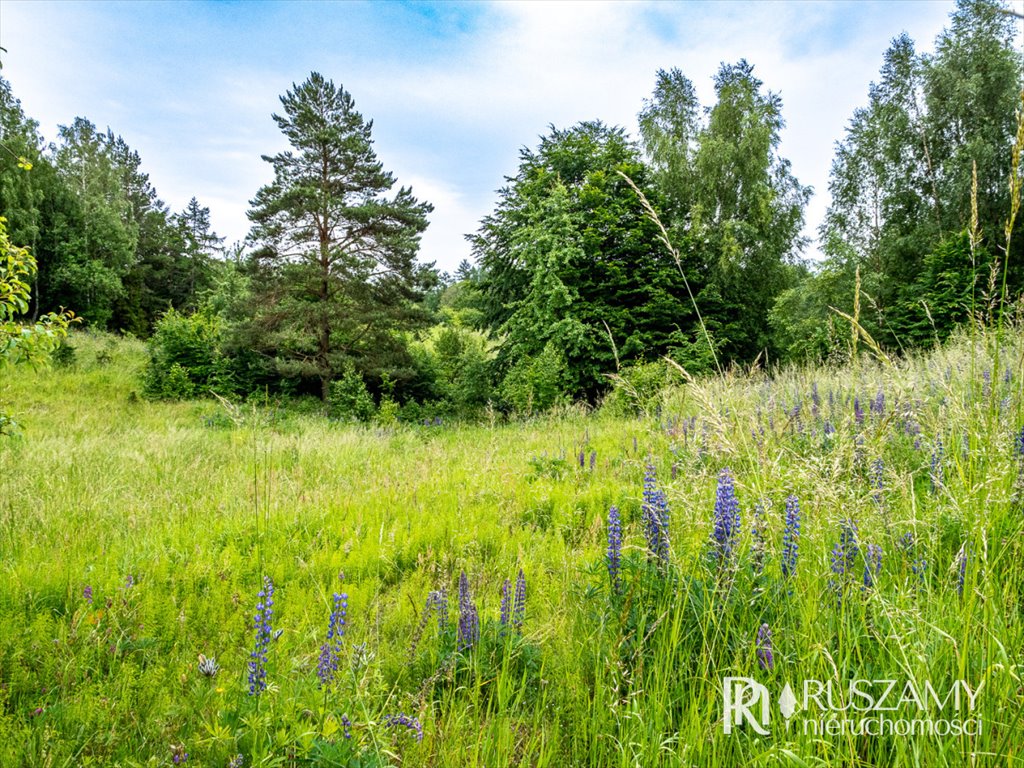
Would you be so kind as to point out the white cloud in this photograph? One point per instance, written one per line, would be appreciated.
(192, 86)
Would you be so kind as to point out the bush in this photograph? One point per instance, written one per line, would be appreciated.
(349, 398)
(535, 384)
(637, 389)
(185, 358)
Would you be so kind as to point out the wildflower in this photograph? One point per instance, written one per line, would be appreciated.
(237, 761)
(614, 554)
(421, 625)
(582, 458)
(401, 719)
(877, 480)
(346, 727)
(593, 460)
(129, 581)
(765, 657)
(844, 557)
(829, 429)
(727, 520)
(1019, 442)
(330, 651)
(655, 517)
(909, 547)
(438, 600)
(848, 545)
(178, 754)
(208, 667)
(791, 537)
(519, 604)
(872, 564)
(937, 471)
(469, 619)
(264, 633)
(87, 593)
(858, 412)
(878, 404)
(506, 602)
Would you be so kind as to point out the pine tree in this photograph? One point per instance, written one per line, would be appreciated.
(336, 257)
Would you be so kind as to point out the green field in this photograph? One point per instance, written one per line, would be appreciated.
(134, 537)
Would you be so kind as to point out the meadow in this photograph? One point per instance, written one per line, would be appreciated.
(859, 521)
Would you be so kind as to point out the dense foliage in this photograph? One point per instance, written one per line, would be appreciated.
(936, 127)
(603, 255)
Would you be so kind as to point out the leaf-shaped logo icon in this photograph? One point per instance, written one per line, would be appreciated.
(787, 702)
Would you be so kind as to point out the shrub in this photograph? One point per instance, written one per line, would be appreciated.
(185, 358)
(636, 389)
(536, 384)
(349, 399)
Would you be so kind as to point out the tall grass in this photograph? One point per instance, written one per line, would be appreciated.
(195, 506)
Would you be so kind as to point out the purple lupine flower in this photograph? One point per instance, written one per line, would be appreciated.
(872, 564)
(1019, 442)
(765, 656)
(675, 470)
(237, 761)
(506, 603)
(330, 651)
(593, 460)
(438, 601)
(469, 619)
(858, 413)
(844, 558)
(346, 727)
(129, 581)
(791, 537)
(849, 545)
(759, 547)
(519, 604)
(655, 518)
(405, 721)
(582, 458)
(87, 593)
(877, 405)
(178, 754)
(828, 429)
(262, 624)
(909, 547)
(937, 471)
(727, 520)
(877, 479)
(613, 557)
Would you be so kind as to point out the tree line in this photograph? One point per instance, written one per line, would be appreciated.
(604, 253)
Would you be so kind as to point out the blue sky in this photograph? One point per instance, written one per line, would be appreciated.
(454, 89)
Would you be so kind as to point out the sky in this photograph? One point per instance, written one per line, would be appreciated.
(454, 90)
